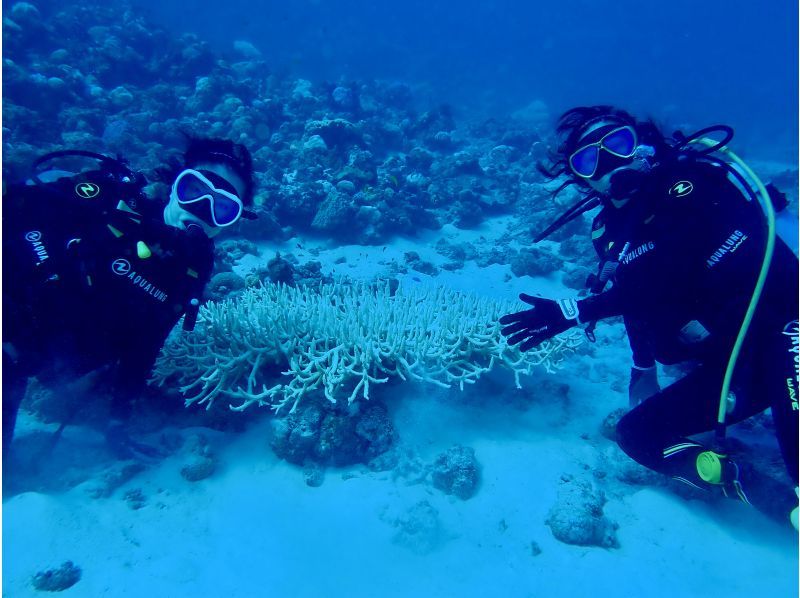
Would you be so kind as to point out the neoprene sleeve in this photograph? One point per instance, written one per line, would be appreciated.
(604, 305)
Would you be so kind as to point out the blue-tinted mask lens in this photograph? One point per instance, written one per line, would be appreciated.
(225, 209)
(190, 188)
(584, 162)
(201, 209)
(620, 142)
(200, 197)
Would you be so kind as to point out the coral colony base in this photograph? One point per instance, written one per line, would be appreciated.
(342, 338)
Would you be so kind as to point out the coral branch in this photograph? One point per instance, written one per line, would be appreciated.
(341, 339)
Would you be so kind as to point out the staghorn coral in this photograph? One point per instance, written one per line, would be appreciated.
(342, 339)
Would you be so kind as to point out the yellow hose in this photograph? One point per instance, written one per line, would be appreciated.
(762, 276)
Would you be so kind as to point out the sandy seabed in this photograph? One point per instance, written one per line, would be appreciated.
(254, 528)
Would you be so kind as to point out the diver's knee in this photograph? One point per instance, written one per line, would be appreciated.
(629, 434)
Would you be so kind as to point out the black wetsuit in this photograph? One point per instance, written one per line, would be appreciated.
(691, 249)
(90, 279)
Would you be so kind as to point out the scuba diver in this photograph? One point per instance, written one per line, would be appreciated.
(698, 277)
(96, 275)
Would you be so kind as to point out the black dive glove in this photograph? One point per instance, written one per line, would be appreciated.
(544, 321)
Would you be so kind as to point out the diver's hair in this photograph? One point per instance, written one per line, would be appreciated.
(570, 128)
(201, 150)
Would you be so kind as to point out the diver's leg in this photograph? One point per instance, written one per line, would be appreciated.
(775, 381)
(781, 383)
(643, 382)
(656, 432)
(14, 384)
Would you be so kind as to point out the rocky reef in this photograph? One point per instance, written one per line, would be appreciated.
(357, 161)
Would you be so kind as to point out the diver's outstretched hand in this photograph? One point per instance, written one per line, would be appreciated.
(533, 326)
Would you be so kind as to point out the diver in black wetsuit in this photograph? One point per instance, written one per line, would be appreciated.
(95, 274)
(682, 241)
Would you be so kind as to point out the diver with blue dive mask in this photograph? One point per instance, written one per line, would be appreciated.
(690, 260)
(204, 197)
(101, 273)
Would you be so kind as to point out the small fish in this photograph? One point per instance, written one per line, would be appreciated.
(299, 246)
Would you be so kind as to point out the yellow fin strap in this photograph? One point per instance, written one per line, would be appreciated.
(116, 232)
(709, 467)
(192, 273)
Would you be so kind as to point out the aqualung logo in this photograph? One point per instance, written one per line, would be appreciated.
(791, 330)
(681, 188)
(641, 250)
(87, 190)
(730, 245)
(34, 237)
(122, 267)
(792, 392)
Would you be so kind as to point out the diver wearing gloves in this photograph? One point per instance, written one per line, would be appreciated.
(697, 277)
(96, 274)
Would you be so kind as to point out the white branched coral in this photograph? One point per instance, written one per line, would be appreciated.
(343, 338)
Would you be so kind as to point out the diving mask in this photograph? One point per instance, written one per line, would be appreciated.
(207, 196)
(619, 141)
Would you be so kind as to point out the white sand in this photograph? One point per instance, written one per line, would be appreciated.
(255, 529)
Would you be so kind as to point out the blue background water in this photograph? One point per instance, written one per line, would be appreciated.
(682, 61)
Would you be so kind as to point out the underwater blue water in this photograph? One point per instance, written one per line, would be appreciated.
(684, 62)
(223, 511)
